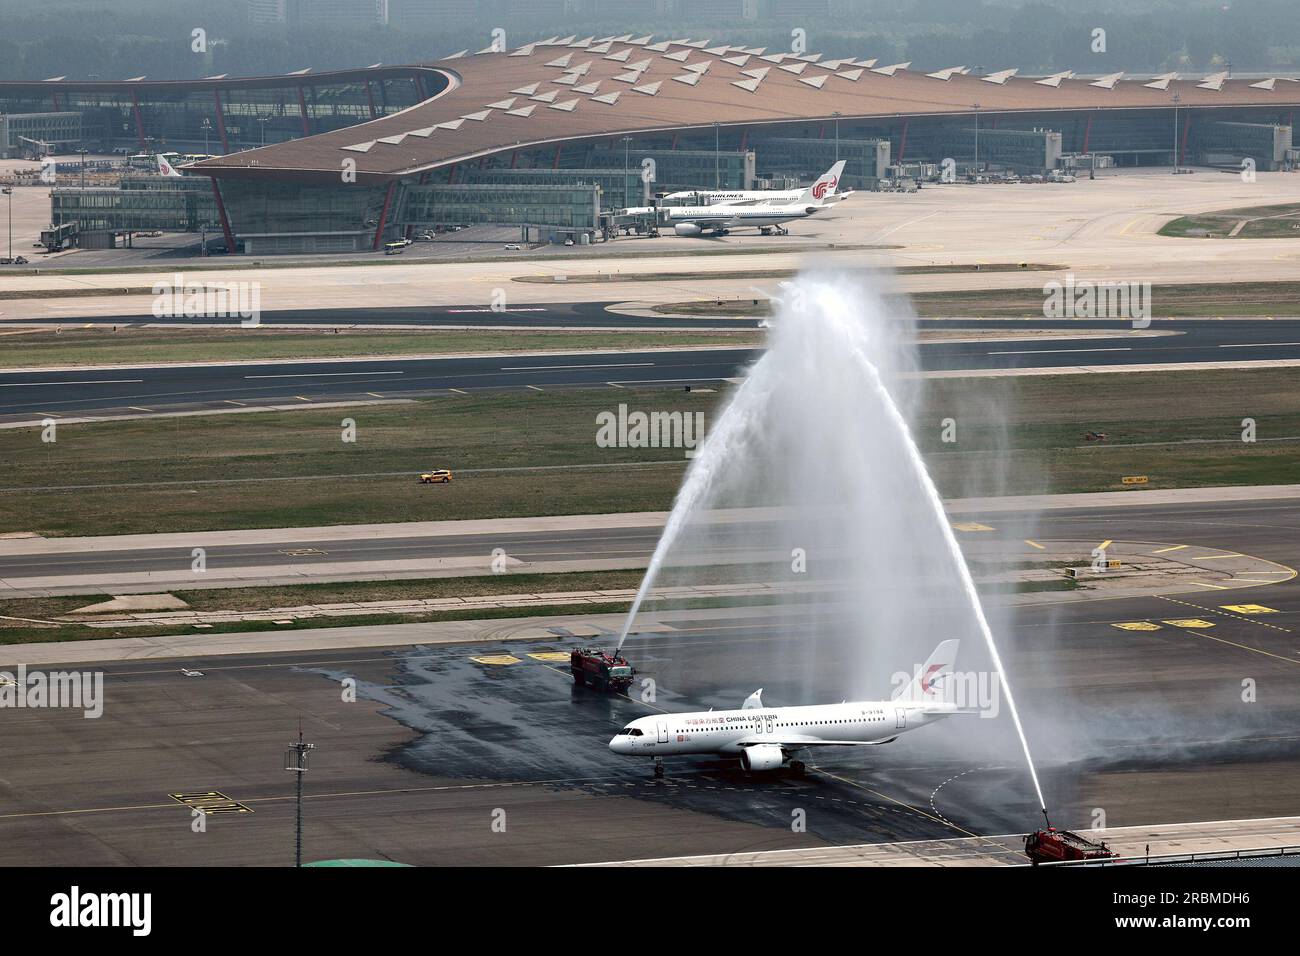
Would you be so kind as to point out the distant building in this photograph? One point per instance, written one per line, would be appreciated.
(336, 13)
(268, 12)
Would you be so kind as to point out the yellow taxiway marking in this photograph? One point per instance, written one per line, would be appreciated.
(457, 391)
(1223, 611)
(970, 526)
(1105, 544)
(374, 395)
(1137, 626)
(1202, 584)
(499, 660)
(1248, 608)
(1243, 647)
(1216, 557)
(1177, 547)
(302, 399)
(231, 401)
(1191, 623)
(137, 408)
(210, 801)
(1035, 544)
(550, 656)
(533, 387)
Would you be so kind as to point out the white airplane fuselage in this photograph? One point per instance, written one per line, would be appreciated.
(733, 731)
(768, 738)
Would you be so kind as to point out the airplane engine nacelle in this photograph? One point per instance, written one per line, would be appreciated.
(762, 757)
(688, 230)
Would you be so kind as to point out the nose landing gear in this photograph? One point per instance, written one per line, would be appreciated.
(659, 768)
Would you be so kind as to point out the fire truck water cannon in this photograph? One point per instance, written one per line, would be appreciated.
(602, 671)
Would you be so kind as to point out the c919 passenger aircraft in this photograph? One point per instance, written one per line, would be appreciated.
(768, 738)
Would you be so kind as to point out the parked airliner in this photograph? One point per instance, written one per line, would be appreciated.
(824, 189)
(767, 738)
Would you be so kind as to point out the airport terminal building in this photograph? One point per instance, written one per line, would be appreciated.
(556, 136)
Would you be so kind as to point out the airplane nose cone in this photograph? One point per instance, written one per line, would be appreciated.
(619, 745)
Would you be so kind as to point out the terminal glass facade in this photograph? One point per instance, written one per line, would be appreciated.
(141, 204)
(575, 207)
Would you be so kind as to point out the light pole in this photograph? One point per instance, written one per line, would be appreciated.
(82, 152)
(207, 128)
(9, 191)
(836, 114)
(261, 121)
(717, 156)
(1177, 100)
(295, 761)
(976, 107)
(627, 144)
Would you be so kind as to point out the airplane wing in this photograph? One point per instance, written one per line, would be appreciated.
(802, 740)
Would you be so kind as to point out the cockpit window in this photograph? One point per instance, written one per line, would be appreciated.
(629, 732)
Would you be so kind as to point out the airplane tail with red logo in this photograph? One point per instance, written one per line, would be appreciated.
(826, 186)
(927, 683)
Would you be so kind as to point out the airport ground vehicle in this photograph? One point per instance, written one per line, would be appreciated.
(601, 671)
(394, 248)
(512, 247)
(1053, 846)
(436, 476)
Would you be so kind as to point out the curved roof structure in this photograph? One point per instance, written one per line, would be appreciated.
(567, 88)
(59, 85)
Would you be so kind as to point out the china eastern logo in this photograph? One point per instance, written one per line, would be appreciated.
(823, 186)
(929, 681)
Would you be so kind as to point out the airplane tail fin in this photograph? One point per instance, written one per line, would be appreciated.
(926, 683)
(827, 184)
(166, 168)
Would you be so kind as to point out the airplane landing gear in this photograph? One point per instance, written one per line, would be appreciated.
(659, 769)
(780, 231)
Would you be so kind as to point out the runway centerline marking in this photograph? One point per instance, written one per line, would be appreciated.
(1059, 351)
(99, 381)
(323, 374)
(555, 368)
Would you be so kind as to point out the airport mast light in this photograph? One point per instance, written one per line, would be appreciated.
(1177, 100)
(717, 156)
(295, 761)
(9, 191)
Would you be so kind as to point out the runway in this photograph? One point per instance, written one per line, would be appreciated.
(31, 395)
(529, 315)
(1148, 723)
(1264, 529)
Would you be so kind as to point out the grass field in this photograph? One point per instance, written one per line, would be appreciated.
(134, 344)
(36, 619)
(284, 469)
(1188, 300)
(1256, 222)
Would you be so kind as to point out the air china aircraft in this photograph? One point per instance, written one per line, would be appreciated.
(825, 189)
(767, 738)
(691, 221)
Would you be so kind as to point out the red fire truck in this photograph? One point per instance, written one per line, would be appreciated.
(1053, 845)
(604, 672)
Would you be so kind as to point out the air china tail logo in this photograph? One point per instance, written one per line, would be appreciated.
(824, 186)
